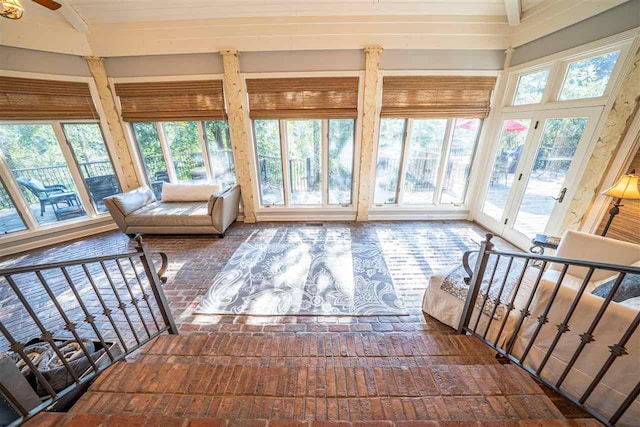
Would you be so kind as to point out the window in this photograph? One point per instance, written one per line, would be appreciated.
(220, 153)
(184, 143)
(588, 78)
(341, 140)
(425, 148)
(40, 169)
(56, 172)
(458, 163)
(295, 157)
(155, 167)
(10, 219)
(94, 162)
(178, 151)
(269, 161)
(531, 88)
(433, 168)
(388, 165)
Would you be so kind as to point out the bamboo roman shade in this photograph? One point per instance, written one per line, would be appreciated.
(171, 101)
(32, 99)
(300, 98)
(436, 96)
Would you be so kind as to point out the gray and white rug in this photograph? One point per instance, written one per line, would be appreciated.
(304, 278)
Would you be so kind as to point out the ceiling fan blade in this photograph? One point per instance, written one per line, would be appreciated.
(49, 4)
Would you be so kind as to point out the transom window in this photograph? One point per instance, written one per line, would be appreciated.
(424, 161)
(588, 78)
(184, 152)
(531, 88)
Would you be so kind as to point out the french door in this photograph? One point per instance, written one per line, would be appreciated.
(536, 166)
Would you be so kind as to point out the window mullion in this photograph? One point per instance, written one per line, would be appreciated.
(19, 201)
(74, 170)
(166, 152)
(408, 123)
(444, 157)
(204, 145)
(284, 154)
(324, 162)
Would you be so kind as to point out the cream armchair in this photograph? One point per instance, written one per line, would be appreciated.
(138, 211)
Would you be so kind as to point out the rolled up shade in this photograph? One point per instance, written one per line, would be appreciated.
(300, 98)
(34, 99)
(437, 96)
(171, 101)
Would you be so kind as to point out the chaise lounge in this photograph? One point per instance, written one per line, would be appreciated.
(138, 211)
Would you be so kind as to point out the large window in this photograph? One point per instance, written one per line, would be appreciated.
(305, 162)
(57, 172)
(185, 151)
(424, 161)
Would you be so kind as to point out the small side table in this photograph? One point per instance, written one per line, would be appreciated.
(542, 242)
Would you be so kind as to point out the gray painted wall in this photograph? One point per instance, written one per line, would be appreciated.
(616, 20)
(164, 65)
(301, 60)
(442, 59)
(35, 61)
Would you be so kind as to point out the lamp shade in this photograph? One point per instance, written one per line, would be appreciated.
(625, 188)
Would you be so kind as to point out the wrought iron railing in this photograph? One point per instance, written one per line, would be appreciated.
(107, 307)
(537, 312)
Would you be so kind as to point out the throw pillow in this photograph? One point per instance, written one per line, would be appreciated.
(188, 192)
(629, 288)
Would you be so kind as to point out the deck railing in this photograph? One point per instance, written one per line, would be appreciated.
(108, 306)
(501, 309)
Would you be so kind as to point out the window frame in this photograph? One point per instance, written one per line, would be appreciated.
(558, 65)
(445, 152)
(33, 228)
(166, 149)
(324, 166)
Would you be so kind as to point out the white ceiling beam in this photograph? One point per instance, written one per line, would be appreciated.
(73, 17)
(513, 11)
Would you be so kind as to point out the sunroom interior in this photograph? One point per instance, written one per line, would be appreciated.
(425, 130)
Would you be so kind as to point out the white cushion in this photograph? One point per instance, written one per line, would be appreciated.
(188, 192)
(633, 303)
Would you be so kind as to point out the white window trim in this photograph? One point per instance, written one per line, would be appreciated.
(628, 42)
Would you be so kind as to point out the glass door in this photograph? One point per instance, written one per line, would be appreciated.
(536, 166)
(552, 170)
(516, 133)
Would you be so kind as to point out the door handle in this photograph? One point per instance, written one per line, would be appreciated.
(560, 198)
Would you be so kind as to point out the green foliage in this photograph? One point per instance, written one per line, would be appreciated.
(29, 146)
(589, 78)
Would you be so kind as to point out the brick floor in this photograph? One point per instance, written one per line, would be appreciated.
(289, 368)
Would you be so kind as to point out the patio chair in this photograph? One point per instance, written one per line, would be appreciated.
(102, 186)
(49, 194)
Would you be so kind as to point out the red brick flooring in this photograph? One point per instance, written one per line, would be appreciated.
(253, 369)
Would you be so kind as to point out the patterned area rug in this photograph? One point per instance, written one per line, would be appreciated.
(304, 278)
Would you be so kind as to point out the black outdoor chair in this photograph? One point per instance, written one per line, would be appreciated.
(49, 194)
(102, 186)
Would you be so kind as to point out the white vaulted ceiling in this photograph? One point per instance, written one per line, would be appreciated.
(145, 27)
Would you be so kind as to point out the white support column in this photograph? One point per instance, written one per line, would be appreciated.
(235, 99)
(123, 155)
(370, 112)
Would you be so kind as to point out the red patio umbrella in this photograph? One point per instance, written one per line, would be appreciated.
(470, 124)
(514, 126)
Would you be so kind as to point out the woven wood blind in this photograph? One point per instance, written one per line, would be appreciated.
(437, 96)
(32, 99)
(300, 98)
(171, 101)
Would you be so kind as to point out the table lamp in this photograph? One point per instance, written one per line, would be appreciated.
(625, 188)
